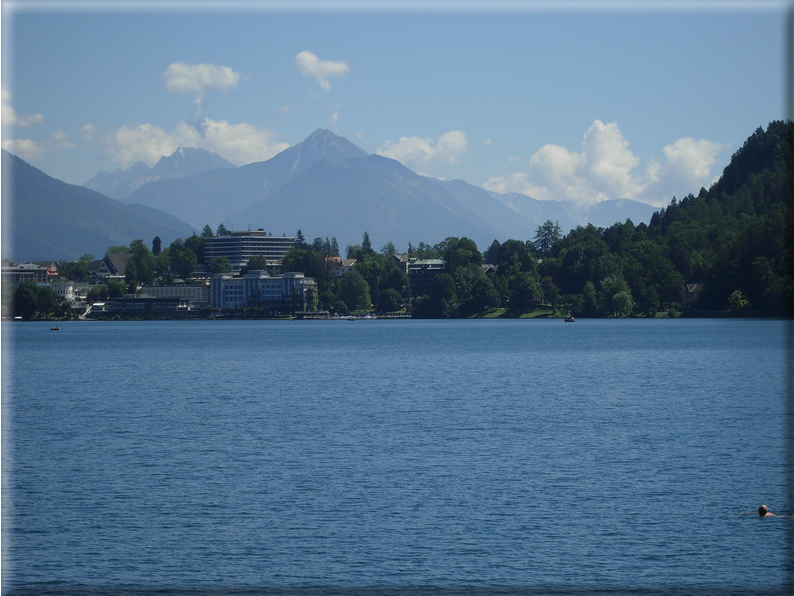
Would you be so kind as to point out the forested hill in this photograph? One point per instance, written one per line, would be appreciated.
(735, 238)
(725, 251)
(738, 235)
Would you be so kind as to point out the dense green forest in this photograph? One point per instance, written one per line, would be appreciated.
(731, 245)
(733, 239)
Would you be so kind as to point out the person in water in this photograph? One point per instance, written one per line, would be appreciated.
(763, 511)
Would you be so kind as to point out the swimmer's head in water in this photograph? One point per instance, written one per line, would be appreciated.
(763, 510)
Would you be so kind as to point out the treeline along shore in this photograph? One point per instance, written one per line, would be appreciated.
(725, 251)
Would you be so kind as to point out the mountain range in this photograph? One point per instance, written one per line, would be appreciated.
(184, 162)
(46, 219)
(327, 186)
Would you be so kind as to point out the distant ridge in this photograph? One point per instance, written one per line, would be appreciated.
(44, 218)
(184, 162)
(362, 193)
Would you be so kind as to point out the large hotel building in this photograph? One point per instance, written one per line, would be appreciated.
(241, 246)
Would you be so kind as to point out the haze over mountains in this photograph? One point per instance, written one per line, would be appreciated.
(327, 186)
(184, 162)
(46, 219)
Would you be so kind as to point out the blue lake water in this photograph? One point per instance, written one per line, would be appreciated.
(468, 454)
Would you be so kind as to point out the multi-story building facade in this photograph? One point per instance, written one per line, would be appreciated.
(421, 272)
(283, 293)
(198, 295)
(239, 247)
(27, 272)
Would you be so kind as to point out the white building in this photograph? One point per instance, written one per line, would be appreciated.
(283, 293)
(199, 294)
(239, 247)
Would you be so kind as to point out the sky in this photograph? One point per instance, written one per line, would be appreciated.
(573, 100)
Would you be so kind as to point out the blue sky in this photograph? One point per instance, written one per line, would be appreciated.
(578, 101)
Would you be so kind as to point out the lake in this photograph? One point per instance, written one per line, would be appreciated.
(422, 456)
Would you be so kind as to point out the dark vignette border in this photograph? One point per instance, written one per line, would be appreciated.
(787, 589)
(638, 590)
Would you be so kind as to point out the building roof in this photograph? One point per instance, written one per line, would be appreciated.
(692, 288)
(116, 262)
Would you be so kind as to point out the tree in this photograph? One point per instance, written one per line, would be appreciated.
(492, 252)
(156, 245)
(622, 304)
(366, 245)
(354, 291)
(546, 235)
(77, 270)
(388, 249)
(442, 289)
(219, 265)
(300, 241)
(590, 305)
(339, 307)
(550, 291)
(196, 244)
(484, 295)
(26, 300)
(115, 288)
(222, 231)
(390, 300)
(318, 246)
(142, 264)
(184, 262)
(257, 263)
(738, 302)
(97, 293)
(458, 252)
(206, 232)
(524, 290)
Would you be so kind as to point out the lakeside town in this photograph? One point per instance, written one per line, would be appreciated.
(253, 274)
(241, 274)
(725, 252)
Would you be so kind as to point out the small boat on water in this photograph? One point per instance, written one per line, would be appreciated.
(55, 328)
(570, 319)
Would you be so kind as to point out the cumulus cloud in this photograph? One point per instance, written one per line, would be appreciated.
(334, 120)
(25, 149)
(88, 131)
(11, 118)
(61, 140)
(239, 143)
(197, 78)
(28, 149)
(418, 152)
(605, 169)
(310, 65)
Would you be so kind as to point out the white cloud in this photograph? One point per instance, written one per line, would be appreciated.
(239, 143)
(88, 131)
(604, 169)
(10, 117)
(416, 152)
(334, 120)
(197, 78)
(25, 149)
(689, 162)
(321, 70)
